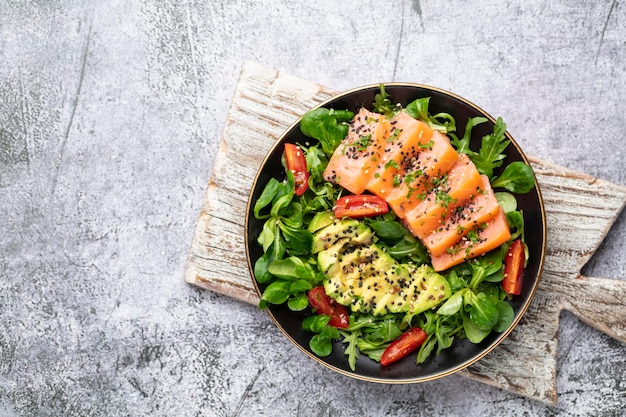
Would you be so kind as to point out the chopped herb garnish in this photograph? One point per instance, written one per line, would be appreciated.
(394, 135)
(363, 142)
(428, 145)
(440, 181)
(392, 163)
(444, 199)
(411, 177)
(472, 236)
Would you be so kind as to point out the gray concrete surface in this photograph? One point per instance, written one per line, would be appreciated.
(110, 117)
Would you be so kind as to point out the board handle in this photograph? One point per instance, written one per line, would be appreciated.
(600, 303)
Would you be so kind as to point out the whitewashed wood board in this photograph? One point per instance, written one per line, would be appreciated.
(580, 210)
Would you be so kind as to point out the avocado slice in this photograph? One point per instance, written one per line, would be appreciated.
(421, 289)
(320, 220)
(361, 275)
(353, 229)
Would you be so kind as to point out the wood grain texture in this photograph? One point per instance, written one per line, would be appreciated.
(580, 210)
(265, 103)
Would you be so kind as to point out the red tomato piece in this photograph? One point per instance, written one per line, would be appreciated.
(326, 305)
(359, 206)
(514, 269)
(402, 346)
(296, 163)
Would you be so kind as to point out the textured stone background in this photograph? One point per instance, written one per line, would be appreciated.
(110, 117)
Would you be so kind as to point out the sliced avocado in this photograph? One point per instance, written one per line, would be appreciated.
(360, 272)
(327, 259)
(320, 220)
(367, 279)
(422, 290)
(353, 229)
(361, 275)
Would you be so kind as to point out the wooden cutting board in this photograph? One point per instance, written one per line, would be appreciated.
(580, 210)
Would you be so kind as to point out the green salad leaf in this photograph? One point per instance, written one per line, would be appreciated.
(328, 126)
(517, 177)
(443, 122)
(463, 145)
(507, 201)
(321, 343)
(351, 339)
(491, 154)
(276, 293)
(382, 104)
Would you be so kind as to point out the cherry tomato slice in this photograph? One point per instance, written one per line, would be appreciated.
(514, 269)
(402, 346)
(296, 163)
(326, 305)
(359, 206)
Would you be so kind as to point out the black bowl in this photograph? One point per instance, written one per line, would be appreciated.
(462, 353)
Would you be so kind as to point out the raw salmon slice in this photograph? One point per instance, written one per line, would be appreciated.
(482, 239)
(353, 162)
(407, 137)
(462, 219)
(453, 189)
(432, 162)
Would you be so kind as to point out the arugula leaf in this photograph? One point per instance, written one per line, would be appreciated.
(463, 145)
(441, 331)
(329, 126)
(351, 351)
(374, 352)
(360, 321)
(383, 105)
(326, 195)
(491, 154)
